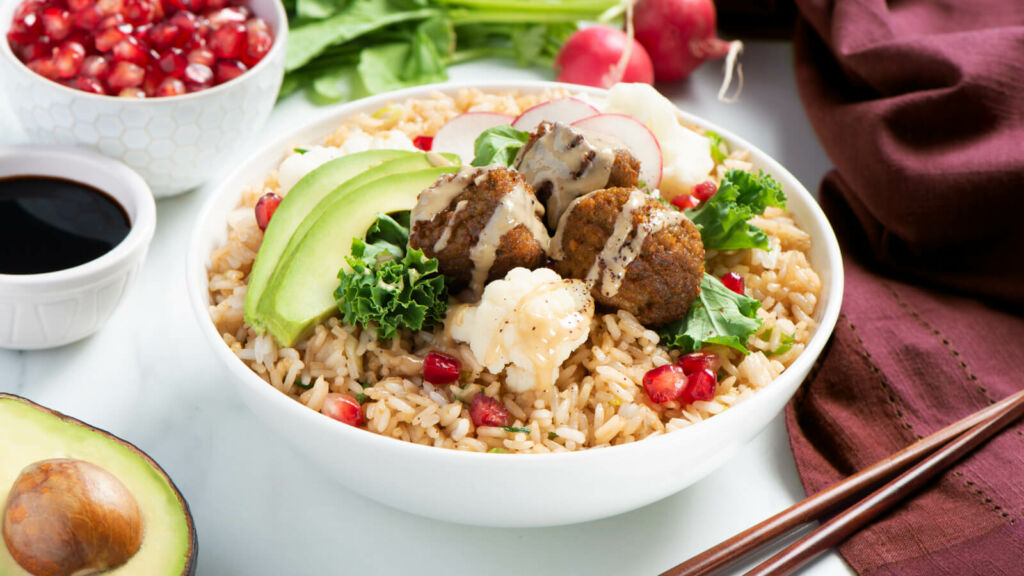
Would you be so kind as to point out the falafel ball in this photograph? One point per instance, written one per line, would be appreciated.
(637, 254)
(563, 163)
(458, 222)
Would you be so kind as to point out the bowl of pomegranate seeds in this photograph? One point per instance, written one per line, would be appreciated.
(167, 86)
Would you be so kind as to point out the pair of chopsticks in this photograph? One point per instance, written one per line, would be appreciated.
(945, 447)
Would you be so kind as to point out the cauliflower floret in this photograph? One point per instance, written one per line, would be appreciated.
(531, 321)
(686, 155)
(298, 164)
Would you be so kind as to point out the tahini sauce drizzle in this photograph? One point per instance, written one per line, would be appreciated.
(517, 207)
(571, 163)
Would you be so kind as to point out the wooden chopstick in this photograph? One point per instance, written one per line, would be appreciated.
(829, 499)
(846, 523)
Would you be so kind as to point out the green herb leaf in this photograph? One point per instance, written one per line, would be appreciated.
(552, 435)
(514, 429)
(419, 60)
(785, 345)
(722, 219)
(717, 316)
(300, 150)
(389, 287)
(361, 398)
(718, 148)
(497, 451)
(498, 145)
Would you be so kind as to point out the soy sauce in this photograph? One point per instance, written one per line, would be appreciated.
(49, 224)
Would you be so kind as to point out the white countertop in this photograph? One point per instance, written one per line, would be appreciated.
(262, 509)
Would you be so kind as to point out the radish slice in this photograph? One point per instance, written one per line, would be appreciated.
(634, 136)
(458, 134)
(564, 110)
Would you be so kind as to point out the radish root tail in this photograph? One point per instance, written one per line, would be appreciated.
(619, 69)
(735, 48)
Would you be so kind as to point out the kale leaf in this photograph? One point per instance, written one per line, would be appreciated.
(722, 219)
(717, 316)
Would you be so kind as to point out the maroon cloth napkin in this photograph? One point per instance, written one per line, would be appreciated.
(920, 106)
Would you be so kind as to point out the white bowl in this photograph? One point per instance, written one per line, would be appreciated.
(175, 143)
(56, 308)
(495, 489)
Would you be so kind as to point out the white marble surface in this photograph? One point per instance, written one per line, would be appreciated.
(262, 509)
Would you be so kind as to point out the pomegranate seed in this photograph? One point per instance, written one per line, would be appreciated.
(130, 50)
(705, 190)
(135, 93)
(95, 67)
(152, 79)
(88, 18)
(228, 41)
(343, 408)
(56, 22)
(68, 59)
(228, 70)
(664, 383)
(111, 7)
(265, 208)
(734, 282)
(170, 87)
(163, 35)
(215, 4)
(106, 38)
(125, 75)
(202, 56)
(699, 386)
(173, 63)
(86, 84)
(218, 18)
(139, 11)
(684, 201)
(487, 411)
(37, 50)
(45, 67)
(700, 360)
(258, 41)
(198, 77)
(171, 6)
(440, 368)
(184, 21)
(79, 5)
(26, 26)
(424, 143)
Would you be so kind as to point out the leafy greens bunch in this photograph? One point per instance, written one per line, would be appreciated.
(391, 287)
(719, 315)
(341, 49)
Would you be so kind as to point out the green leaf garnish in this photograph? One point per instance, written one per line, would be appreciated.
(785, 345)
(300, 150)
(390, 287)
(722, 219)
(361, 398)
(514, 429)
(498, 145)
(497, 451)
(717, 316)
(718, 149)
(552, 435)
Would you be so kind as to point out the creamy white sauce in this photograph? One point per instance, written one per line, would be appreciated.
(572, 162)
(442, 241)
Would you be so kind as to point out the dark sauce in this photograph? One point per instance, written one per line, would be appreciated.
(49, 224)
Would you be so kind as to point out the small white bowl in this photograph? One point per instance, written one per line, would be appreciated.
(56, 308)
(495, 489)
(175, 143)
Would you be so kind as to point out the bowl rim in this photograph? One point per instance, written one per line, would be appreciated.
(197, 281)
(280, 40)
(142, 226)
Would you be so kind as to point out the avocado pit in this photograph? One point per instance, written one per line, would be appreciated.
(67, 517)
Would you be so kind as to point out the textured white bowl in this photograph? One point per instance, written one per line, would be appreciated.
(497, 489)
(175, 143)
(57, 308)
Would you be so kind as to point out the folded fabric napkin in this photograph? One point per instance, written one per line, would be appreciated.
(920, 106)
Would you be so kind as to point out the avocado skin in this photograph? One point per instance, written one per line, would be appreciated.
(301, 293)
(294, 208)
(192, 554)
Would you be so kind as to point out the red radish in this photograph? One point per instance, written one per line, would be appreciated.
(458, 134)
(591, 57)
(636, 137)
(343, 408)
(564, 110)
(680, 35)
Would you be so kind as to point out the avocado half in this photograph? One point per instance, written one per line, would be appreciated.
(32, 433)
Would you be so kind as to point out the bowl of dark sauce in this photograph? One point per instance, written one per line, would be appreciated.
(74, 230)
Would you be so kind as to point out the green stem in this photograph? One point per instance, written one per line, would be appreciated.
(463, 17)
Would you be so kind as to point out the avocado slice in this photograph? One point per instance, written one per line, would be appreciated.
(295, 206)
(33, 433)
(301, 293)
